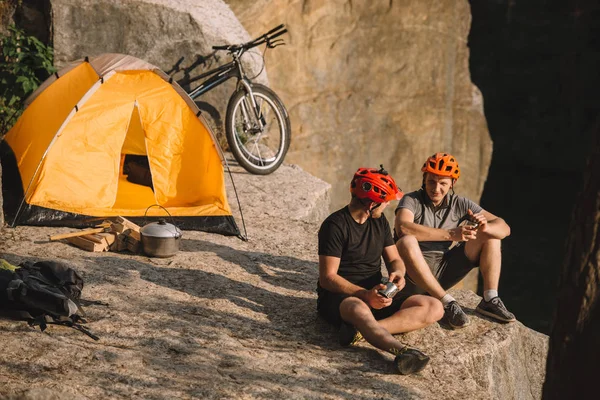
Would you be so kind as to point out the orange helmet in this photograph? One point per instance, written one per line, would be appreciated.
(442, 164)
(375, 185)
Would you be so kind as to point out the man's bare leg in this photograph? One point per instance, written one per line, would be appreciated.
(487, 253)
(419, 271)
(416, 312)
(357, 313)
(416, 266)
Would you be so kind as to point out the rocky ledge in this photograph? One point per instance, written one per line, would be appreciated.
(226, 318)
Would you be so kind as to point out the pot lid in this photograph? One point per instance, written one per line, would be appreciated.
(161, 229)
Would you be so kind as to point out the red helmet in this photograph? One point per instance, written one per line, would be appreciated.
(375, 185)
(442, 164)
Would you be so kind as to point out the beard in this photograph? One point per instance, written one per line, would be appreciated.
(377, 213)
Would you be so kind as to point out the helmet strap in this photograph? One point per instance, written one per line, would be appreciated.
(373, 208)
(367, 203)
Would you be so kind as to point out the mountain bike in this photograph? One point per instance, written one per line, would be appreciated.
(257, 124)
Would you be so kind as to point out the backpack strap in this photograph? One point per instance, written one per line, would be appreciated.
(72, 322)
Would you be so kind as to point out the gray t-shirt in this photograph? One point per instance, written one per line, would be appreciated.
(447, 215)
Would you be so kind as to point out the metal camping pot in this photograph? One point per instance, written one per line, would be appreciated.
(160, 239)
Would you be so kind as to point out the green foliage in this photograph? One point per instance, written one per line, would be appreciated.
(24, 63)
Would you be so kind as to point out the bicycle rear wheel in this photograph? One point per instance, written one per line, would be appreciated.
(259, 138)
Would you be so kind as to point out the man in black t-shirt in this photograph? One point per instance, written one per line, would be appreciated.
(351, 244)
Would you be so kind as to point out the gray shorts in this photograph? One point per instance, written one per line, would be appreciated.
(448, 268)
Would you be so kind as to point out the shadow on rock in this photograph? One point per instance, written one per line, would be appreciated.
(283, 271)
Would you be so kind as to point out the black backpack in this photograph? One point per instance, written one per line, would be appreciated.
(42, 293)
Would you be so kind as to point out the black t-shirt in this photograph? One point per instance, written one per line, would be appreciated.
(359, 246)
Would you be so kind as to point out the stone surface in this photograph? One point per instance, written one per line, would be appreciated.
(1, 199)
(288, 193)
(225, 318)
(161, 32)
(375, 82)
(7, 12)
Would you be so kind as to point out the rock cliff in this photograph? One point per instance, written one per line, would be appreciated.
(376, 82)
(230, 319)
(365, 83)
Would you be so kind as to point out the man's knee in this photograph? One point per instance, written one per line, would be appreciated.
(493, 243)
(475, 248)
(436, 310)
(431, 308)
(353, 306)
(407, 244)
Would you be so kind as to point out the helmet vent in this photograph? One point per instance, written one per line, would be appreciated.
(441, 164)
(449, 168)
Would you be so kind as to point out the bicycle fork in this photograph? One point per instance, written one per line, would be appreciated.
(247, 108)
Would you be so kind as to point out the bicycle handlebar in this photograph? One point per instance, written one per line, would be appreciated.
(278, 34)
(275, 29)
(265, 38)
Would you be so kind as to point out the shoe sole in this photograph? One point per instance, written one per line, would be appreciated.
(460, 326)
(494, 316)
(408, 364)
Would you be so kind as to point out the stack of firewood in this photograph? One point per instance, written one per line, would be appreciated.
(118, 235)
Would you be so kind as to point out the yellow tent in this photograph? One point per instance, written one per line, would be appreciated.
(78, 127)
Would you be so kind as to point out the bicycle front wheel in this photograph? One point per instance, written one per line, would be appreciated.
(258, 130)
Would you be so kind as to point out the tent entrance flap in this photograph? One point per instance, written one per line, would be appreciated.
(135, 140)
(135, 188)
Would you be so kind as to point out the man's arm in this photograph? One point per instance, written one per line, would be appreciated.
(491, 225)
(331, 281)
(405, 225)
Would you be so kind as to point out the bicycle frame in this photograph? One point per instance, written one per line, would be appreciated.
(219, 75)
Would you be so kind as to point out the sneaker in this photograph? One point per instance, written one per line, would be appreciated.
(409, 360)
(349, 335)
(496, 309)
(455, 316)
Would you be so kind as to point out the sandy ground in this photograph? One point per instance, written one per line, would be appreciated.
(223, 318)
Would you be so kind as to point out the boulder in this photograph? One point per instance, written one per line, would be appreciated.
(1, 199)
(288, 193)
(224, 318)
(161, 32)
(7, 12)
(485, 360)
(370, 83)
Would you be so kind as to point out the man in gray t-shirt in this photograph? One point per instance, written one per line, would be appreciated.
(441, 236)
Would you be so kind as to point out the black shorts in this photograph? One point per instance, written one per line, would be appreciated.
(448, 268)
(328, 303)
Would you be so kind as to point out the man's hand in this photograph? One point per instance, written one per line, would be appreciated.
(398, 280)
(374, 299)
(463, 233)
(480, 219)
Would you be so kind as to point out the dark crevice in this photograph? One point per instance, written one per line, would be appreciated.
(536, 63)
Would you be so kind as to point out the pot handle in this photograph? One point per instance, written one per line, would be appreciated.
(167, 211)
